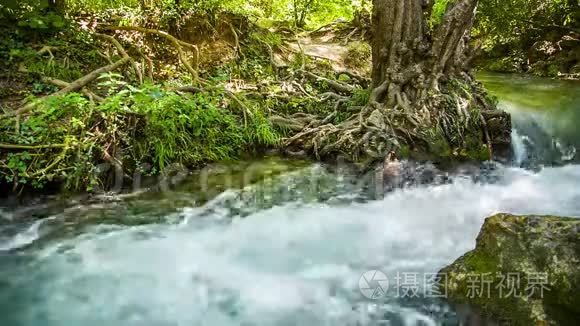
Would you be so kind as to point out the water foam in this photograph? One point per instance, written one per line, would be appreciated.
(293, 263)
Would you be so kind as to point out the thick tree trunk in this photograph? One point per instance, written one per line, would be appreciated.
(404, 50)
(397, 28)
(423, 96)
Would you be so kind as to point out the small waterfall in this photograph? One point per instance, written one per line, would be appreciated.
(519, 147)
(298, 254)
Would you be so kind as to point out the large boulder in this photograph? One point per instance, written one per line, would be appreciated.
(569, 42)
(542, 50)
(524, 270)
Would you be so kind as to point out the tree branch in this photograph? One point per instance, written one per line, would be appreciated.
(15, 146)
(72, 87)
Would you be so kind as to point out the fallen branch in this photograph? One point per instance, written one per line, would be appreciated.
(47, 49)
(63, 84)
(237, 46)
(30, 147)
(187, 89)
(331, 95)
(285, 123)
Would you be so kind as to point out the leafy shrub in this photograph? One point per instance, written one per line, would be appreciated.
(30, 16)
(67, 138)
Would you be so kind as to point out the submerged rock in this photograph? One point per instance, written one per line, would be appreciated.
(525, 270)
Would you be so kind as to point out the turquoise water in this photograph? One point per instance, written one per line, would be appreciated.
(278, 242)
(545, 112)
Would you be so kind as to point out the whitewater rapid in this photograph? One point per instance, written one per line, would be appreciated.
(289, 250)
(294, 263)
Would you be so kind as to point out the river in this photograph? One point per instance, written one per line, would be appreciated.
(279, 242)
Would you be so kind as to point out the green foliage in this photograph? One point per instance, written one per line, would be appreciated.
(358, 54)
(188, 131)
(439, 9)
(317, 12)
(360, 97)
(30, 16)
(510, 64)
(65, 56)
(51, 125)
(54, 69)
(522, 22)
(134, 126)
(38, 16)
(77, 6)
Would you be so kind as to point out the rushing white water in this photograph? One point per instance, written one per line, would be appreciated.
(519, 147)
(23, 238)
(297, 263)
(295, 258)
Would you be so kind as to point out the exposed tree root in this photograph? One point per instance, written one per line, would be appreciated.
(374, 130)
(422, 97)
(177, 43)
(335, 84)
(124, 54)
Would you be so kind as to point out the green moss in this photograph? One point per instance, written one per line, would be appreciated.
(358, 54)
(437, 143)
(523, 246)
(475, 149)
(481, 263)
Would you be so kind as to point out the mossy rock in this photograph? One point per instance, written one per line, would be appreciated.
(539, 255)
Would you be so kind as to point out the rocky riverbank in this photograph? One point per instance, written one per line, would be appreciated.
(551, 57)
(524, 270)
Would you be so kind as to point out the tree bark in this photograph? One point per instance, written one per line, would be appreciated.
(422, 93)
(397, 26)
(404, 49)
